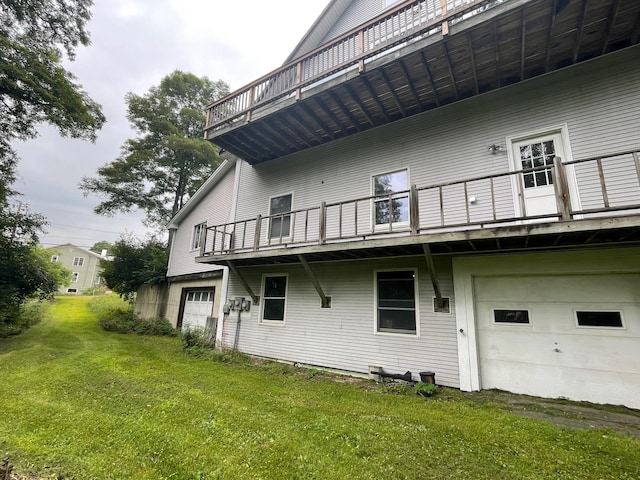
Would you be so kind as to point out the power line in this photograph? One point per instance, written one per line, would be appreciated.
(84, 228)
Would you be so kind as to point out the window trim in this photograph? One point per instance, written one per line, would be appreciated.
(416, 293)
(623, 325)
(285, 238)
(78, 261)
(55, 258)
(264, 298)
(385, 226)
(74, 277)
(512, 324)
(195, 246)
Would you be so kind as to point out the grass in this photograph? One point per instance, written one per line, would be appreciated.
(81, 403)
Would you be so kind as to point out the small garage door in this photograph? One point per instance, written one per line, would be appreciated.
(198, 305)
(573, 336)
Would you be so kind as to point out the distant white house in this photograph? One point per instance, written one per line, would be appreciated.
(85, 265)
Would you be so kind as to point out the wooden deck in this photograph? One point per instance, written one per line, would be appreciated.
(347, 230)
(416, 57)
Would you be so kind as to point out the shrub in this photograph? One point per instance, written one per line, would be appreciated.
(116, 315)
(31, 313)
(425, 389)
(194, 341)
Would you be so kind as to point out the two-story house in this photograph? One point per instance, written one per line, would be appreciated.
(85, 265)
(438, 185)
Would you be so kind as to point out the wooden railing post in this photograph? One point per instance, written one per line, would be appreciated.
(203, 241)
(445, 24)
(323, 223)
(561, 188)
(256, 238)
(414, 213)
(251, 100)
(298, 79)
(361, 51)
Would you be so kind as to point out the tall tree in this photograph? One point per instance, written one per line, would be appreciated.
(34, 87)
(159, 170)
(35, 36)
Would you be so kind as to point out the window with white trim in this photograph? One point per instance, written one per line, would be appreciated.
(74, 277)
(396, 301)
(599, 318)
(54, 258)
(78, 261)
(198, 235)
(391, 205)
(279, 223)
(274, 295)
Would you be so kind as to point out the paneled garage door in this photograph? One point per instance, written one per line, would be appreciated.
(573, 336)
(198, 305)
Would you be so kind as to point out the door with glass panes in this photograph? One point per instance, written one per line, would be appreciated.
(537, 186)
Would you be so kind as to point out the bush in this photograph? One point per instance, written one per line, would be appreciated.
(425, 389)
(30, 314)
(194, 339)
(116, 315)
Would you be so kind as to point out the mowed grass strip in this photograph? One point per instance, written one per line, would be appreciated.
(86, 404)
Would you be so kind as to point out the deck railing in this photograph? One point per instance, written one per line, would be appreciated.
(407, 21)
(606, 185)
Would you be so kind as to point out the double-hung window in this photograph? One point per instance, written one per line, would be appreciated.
(198, 235)
(75, 276)
(396, 301)
(274, 298)
(279, 222)
(391, 202)
(78, 261)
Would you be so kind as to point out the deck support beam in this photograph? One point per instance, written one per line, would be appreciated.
(255, 298)
(432, 274)
(326, 301)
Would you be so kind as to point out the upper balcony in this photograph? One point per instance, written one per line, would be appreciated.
(590, 202)
(417, 56)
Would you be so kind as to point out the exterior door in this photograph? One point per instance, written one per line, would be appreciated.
(198, 305)
(537, 187)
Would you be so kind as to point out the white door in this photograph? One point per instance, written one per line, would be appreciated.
(537, 187)
(198, 305)
(573, 336)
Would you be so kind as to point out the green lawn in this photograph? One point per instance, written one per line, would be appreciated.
(85, 404)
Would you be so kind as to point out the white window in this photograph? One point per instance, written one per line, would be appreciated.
(74, 277)
(54, 258)
(78, 261)
(514, 316)
(395, 293)
(391, 205)
(198, 235)
(279, 223)
(599, 318)
(274, 298)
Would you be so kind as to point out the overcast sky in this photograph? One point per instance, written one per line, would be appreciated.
(134, 43)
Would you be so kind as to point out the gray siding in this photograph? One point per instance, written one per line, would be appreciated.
(215, 209)
(598, 101)
(343, 337)
(359, 12)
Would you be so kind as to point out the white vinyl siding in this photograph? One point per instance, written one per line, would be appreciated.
(344, 336)
(216, 210)
(450, 143)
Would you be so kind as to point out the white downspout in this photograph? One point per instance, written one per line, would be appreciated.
(224, 293)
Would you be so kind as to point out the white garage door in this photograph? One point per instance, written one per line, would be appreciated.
(198, 305)
(573, 336)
